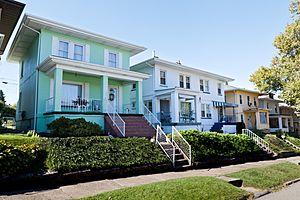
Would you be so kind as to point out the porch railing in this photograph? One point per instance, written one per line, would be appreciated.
(164, 117)
(50, 104)
(228, 118)
(166, 145)
(116, 118)
(128, 109)
(187, 117)
(182, 145)
(150, 117)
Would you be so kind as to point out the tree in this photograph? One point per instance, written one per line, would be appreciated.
(2, 96)
(283, 74)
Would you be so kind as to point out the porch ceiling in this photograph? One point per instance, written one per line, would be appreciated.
(52, 62)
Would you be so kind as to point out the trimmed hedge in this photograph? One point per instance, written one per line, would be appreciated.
(80, 153)
(15, 159)
(215, 146)
(65, 127)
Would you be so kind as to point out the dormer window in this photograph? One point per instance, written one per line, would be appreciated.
(112, 59)
(78, 52)
(63, 50)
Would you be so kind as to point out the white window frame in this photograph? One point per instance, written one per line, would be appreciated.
(119, 58)
(219, 89)
(68, 48)
(201, 85)
(206, 87)
(206, 110)
(181, 81)
(165, 77)
(82, 55)
(187, 82)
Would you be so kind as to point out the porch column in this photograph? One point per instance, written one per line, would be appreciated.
(58, 76)
(198, 108)
(174, 107)
(139, 98)
(104, 92)
(280, 122)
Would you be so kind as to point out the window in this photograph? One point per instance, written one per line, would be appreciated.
(112, 59)
(162, 77)
(78, 52)
(201, 85)
(133, 86)
(63, 50)
(22, 70)
(276, 109)
(241, 99)
(71, 92)
(248, 101)
(220, 89)
(181, 84)
(263, 117)
(242, 118)
(187, 82)
(254, 101)
(267, 105)
(185, 107)
(206, 86)
(133, 104)
(205, 111)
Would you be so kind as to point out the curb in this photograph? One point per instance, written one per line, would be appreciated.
(291, 182)
(260, 194)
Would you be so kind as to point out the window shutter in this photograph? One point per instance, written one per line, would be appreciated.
(87, 53)
(106, 57)
(55, 46)
(86, 91)
(120, 60)
(51, 88)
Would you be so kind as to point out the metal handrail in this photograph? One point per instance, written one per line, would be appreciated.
(161, 138)
(151, 118)
(49, 104)
(116, 119)
(182, 145)
(258, 140)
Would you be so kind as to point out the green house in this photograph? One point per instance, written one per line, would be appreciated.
(66, 71)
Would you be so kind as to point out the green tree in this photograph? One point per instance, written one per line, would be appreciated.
(283, 74)
(2, 96)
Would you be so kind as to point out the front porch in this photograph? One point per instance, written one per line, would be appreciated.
(281, 123)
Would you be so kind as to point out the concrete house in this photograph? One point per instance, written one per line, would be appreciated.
(182, 96)
(67, 71)
(246, 108)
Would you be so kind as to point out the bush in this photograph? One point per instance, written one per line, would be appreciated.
(214, 146)
(21, 158)
(240, 126)
(65, 127)
(80, 153)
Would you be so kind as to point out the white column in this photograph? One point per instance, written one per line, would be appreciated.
(174, 107)
(58, 76)
(139, 98)
(280, 122)
(198, 108)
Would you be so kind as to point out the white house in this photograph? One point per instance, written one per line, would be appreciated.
(182, 96)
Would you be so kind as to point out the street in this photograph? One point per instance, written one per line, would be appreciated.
(291, 192)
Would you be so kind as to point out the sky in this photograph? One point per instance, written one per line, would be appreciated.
(228, 37)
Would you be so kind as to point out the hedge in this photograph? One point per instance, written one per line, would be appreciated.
(16, 159)
(214, 146)
(65, 127)
(80, 153)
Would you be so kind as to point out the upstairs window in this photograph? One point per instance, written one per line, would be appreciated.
(162, 77)
(187, 82)
(276, 109)
(201, 85)
(241, 99)
(205, 111)
(248, 101)
(254, 101)
(112, 59)
(268, 106)
(63, 50)
(219, 89)
(206, 86)
(78, 52)
(181, 84)
(133, 86)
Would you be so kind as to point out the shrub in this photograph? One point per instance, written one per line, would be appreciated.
(240, 126)
(21, 158)
(79, 153)
(65, 127)
(210, 145)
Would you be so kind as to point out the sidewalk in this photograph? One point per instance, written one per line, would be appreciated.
(91, 188)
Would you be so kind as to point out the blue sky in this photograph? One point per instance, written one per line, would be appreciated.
(229, 37)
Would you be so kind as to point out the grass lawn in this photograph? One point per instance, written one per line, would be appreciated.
(268, 177)
(277, 144)
(185, 188)
(18, 139)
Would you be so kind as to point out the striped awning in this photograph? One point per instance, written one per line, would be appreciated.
(218, 104)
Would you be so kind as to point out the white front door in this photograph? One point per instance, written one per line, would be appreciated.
(113, 97)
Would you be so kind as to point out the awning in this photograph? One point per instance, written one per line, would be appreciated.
(218, 104)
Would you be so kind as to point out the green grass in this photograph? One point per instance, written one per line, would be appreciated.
(268, 177)
(277, 144)
(185, 188)
(19, 139)
(295, 141)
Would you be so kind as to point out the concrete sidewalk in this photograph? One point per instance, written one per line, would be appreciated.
(91, 188)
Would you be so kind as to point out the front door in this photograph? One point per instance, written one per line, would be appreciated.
(113, 98)
(249, 121)
(221, 114)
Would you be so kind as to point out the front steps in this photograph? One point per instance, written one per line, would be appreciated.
(135, 126)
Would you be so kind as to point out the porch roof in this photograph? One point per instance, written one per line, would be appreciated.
(173, 89)
(52, 62)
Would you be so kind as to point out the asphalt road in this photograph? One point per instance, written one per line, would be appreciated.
(291, 192)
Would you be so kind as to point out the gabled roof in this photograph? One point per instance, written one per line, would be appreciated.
(10, 12)
(152, 61)
(229, 88)
(25, 36)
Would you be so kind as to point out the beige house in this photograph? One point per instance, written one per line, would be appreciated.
(247, 110)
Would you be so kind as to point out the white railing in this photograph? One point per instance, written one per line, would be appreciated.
(50, 104)
(182, 145)
(116, 118)
(151, 118)
(81, 105)
(290, 143)
(164, 142)
(258, 140)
